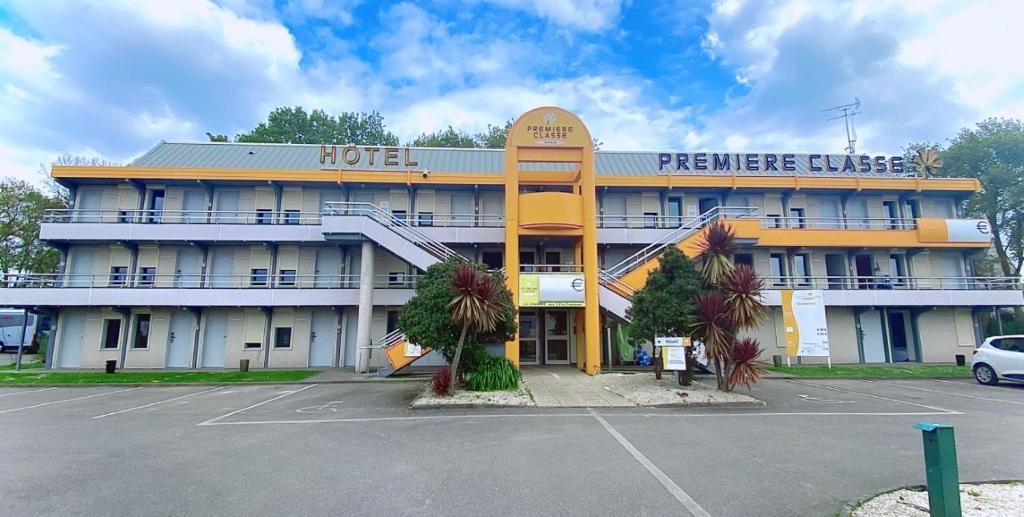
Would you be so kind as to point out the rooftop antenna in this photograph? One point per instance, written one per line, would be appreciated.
(848, 111)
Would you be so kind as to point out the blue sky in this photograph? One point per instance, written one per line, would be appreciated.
(110, 78)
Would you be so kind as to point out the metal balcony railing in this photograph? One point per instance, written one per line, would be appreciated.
(885, 282)
(258, 280)
(550, 268)
(423, 219)
(80, 215)
(838, 223)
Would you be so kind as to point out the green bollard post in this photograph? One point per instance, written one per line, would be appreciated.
(941, 469)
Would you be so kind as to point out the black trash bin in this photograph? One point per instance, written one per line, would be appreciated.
(243, 365)
(961, 360)
(111, 366)
(776, 360)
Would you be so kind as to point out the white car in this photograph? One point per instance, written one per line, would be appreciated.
(999, 357)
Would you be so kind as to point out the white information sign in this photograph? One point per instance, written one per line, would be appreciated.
(675, 358)
(803, 314)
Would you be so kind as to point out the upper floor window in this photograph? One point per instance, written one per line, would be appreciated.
(258, 277)
(264, 216)
(291, 217)
(118, 275)
(287, 277)
(146, 276)
(796, 216)
(777, 264)
(425, 219)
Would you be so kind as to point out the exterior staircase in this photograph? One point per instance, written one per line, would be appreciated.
(401, 239)
(620, 282)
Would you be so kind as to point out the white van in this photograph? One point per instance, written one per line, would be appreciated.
(11, 321)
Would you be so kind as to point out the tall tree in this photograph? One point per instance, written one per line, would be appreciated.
(21, 211)
(993, 153)
(664, 307)
(55, 189)
(287, 125)
(427, 320)
(451, 137)
(491, 138)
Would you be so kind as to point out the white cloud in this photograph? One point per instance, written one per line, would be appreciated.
(922, 69)
(614, 109)
(587, 15)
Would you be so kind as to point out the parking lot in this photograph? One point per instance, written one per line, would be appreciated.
(356, 449)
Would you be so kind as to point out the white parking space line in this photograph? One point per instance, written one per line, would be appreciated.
(710, 414)
(950, 393)
(391, 419)
(879, 397)
(692, 506)
(27, 391)
(112, 413)
(69, 400)
(790, 413)
(258, 404)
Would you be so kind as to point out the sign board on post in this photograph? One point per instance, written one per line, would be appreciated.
(670, 341)
(803, 316)
(674, 358)
(673, 353)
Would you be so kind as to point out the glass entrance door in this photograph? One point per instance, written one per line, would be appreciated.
(528, 337)
(556, 336)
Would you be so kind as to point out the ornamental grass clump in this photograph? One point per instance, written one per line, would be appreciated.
(746, 368)
(441, 381)
(494, 374)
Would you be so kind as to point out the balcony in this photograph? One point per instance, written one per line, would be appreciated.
(252, 226)
(253, 290)
(902, 290)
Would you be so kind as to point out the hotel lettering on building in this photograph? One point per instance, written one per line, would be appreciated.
(198, 255)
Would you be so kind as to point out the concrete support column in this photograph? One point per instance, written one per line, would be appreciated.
(363, 338)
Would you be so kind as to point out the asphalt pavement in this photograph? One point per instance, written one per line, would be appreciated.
(356, 449)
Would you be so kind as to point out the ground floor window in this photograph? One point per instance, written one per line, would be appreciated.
(141, 339)
(111, 333)
(283, 337)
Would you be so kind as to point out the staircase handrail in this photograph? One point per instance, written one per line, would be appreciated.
(685, 229)
(391, 338)
(397, 225)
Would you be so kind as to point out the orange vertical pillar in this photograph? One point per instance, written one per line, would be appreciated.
(512, 240)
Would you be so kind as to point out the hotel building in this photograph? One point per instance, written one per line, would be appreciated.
(197, 255)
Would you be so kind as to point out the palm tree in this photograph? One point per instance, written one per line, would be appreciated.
(475, 305)
(714, 327)
(733, 302)
(716, 247)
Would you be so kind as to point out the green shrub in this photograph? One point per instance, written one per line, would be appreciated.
(493, 374)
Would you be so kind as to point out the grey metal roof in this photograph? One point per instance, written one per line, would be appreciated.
(215, 155)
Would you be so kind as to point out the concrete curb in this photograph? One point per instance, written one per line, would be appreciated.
(461, 405)
(704, 405)
(860, 378)
(222, 383)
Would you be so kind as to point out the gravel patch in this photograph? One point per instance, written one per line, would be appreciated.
(643, 389)
(464, 398)
(981, 499)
